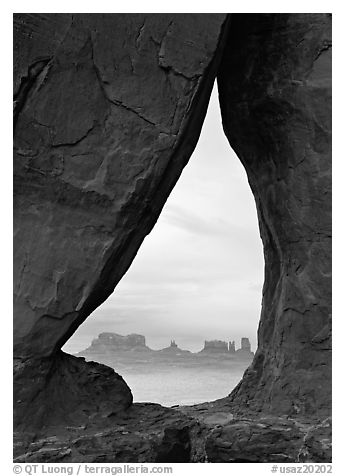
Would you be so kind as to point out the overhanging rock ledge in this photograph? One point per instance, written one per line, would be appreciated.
(107, 111)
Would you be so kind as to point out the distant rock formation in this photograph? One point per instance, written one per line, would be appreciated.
(222, 347)
(245, 344)
(245, 349)
(111, 342)
(174, 349)
(232, 348)
(217, 346)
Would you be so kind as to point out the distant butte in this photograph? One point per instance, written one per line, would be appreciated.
(108, 342)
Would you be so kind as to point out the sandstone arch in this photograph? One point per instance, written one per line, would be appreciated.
(276, 106)
(108, 109)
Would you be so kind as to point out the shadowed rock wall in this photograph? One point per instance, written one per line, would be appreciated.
(275, 96)
(108, 109)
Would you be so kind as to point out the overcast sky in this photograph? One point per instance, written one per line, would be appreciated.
(199, 274)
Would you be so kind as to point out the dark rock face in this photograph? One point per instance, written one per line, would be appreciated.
(136, 435)
(201, 433)
(275, 95)
(268, 440)
(108, 109)
(65, 390)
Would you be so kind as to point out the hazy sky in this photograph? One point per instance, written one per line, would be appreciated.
(199, 274)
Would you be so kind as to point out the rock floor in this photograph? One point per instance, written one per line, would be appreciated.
(207, 432)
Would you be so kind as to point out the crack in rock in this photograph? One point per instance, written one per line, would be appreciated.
(26, 86)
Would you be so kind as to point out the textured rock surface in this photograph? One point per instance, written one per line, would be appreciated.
(229, 438)
(275, 95)
(207, 432)
(65, 390)
(268, 440)
(143, 433)
(108, 109)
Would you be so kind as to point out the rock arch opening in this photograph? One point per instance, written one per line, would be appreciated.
(108, 110)
(197, 277)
